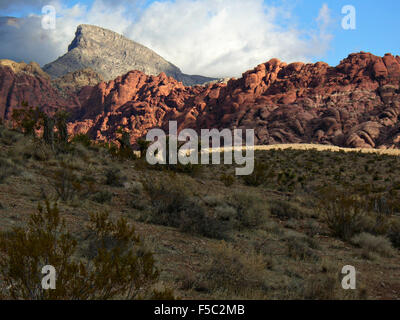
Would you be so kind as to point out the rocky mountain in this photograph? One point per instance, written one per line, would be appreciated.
(73, 82)
(355, 104)
(27, 82)
(111, 55)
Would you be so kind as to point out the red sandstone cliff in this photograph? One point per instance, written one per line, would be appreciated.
(355, 104)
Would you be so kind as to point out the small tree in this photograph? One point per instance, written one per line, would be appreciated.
(143, 146)
(48, 130)
(62, 131)
(27, 118)
(125, 149)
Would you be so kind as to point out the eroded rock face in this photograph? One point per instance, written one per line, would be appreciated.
(27, 82)
(111, 55)
(73, 82)
(355, 104)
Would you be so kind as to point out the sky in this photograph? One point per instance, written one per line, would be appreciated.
(219, 38)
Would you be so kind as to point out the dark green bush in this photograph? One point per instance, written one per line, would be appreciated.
(251, 210)
(102, 196)
(82, 139)
(114, 177)
(285, 209)
(173, 206)
(7, 169)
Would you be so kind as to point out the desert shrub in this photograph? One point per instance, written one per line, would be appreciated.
(102, 196)
(173, 206)
(64, 181)
(239, 273)
(284, 209)
(114, 177)
(320, 287)
(7, 169)
(28, 148)
(299, 248)
(344, 214)
(312, 228)
(251, 210)
(82, 139)
(348, 214)
(143, 146)
(378, 244)
(125, 150)
(259, 175)
(227, 179)
(9, 137)
(118, 268)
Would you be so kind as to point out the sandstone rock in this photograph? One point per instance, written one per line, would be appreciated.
(356, 104)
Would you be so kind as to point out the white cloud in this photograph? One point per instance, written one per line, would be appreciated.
(208, 37)
(226, 37)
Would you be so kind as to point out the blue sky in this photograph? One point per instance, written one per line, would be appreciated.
(377, 29)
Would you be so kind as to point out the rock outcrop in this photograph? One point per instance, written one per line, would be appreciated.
(21, 82)
(111, 55)
(73, 82)
(356, 104)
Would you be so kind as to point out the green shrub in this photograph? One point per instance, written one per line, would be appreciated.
(259, 175)
(251, 210)
(286, 210)
(299, 249)
(82, 139)
(102, 196)
(7, 169)
(344, 214)
(114, 177)
(64, 181)
(241, 274)
(227, 179)
(117, 268)
(173, 206)
(371, 243)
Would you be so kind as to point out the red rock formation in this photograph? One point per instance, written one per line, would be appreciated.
(21, 82)
(356, 104)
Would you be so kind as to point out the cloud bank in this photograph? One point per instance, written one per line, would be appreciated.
(220, 38)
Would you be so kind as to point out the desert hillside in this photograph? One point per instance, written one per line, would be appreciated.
(284, 232)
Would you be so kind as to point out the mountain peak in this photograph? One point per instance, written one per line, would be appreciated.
(111, 54)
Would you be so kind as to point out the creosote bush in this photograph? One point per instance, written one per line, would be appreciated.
(117, 268)
(251, 210)
(241, 274)
(173, 206)
(114, 177)
(285, 210)
(7, 169)
(259, 175)
(371, 243)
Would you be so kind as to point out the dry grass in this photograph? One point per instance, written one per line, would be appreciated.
(280, 255)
